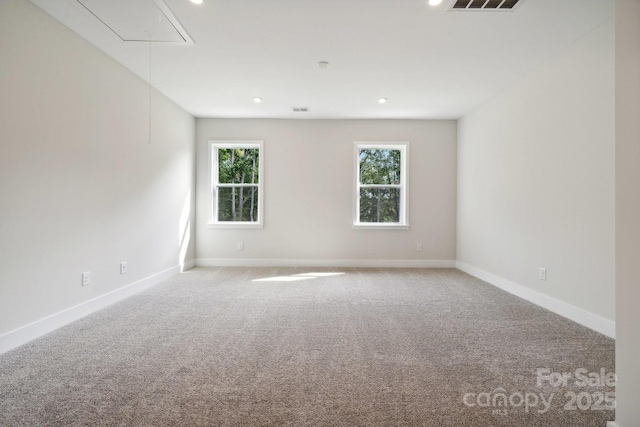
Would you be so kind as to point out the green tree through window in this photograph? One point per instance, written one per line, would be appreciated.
(236, 183)
(381, 183)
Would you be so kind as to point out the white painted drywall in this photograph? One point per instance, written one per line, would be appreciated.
(536, 178)
(308, 204)
(628, 212)
(81, 189)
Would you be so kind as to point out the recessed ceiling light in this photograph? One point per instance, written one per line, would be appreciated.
(257, 100)
(323, 64)
(196, 1)
(382, 100)
(431, 2)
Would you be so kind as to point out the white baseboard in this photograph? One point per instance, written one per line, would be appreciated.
(344, 263)
(24, 334)
(592, 321)
(188, 265)
(611, 424)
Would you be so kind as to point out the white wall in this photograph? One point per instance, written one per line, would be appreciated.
(628, 211)
(309, 173)
(536, 180)
(81, 188)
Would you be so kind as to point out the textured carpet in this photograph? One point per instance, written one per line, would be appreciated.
(371, 347)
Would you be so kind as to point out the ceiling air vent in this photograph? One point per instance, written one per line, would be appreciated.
(300, 109)
(485, 5)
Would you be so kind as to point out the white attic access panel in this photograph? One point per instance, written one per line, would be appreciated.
(138, 20)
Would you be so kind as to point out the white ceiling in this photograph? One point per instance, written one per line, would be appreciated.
(429, 62)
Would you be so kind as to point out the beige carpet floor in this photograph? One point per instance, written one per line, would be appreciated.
(369, 347)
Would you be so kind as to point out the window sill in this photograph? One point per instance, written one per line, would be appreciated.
(379, 226)
(234, 225)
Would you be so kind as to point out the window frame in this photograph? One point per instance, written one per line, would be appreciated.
(403, 147)
(212, 215)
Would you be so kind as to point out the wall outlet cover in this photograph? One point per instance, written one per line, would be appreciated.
(542, 274)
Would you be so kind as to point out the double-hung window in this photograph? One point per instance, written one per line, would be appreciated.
(381, 190)
(236, 184)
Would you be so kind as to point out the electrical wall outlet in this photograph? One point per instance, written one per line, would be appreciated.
(240, 246)
(86, 278)
(123, 267)
(542, 273)
(419, 247)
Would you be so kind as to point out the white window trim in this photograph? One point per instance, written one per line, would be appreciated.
(404, 186)
(212, 220)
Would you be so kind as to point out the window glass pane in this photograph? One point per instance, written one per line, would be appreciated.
(380, 205)
(379, 166)
(238, 204)
(238, 165)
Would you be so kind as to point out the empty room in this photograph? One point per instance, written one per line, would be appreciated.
(320, 213)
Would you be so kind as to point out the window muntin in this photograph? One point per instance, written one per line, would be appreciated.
(381, 185)
(236, 184)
